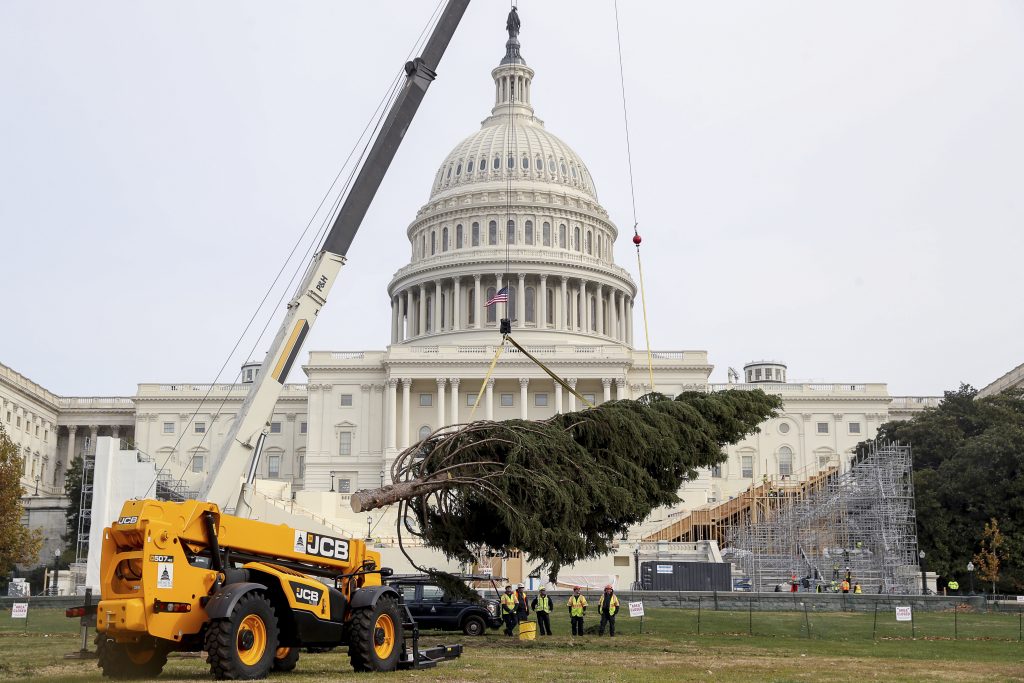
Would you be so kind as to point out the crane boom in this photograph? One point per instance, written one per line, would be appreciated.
(243, 441)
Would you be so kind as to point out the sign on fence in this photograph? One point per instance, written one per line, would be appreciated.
(904, 614)
(664, 569)
(487, 571)
(1020, 598)
(19, 610)
(636, 609)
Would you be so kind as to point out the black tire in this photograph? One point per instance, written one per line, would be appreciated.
(474, 625)
(375, 636)
(242, 647)
(144, 659)
(289, 659)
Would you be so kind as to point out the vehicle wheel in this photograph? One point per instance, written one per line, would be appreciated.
(144, 659)
(285, 658)
(375, 637)
(242, 647)
(473, 626)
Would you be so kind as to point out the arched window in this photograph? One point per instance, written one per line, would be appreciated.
(573, 167)
(492, 234)
(449, 175)
(497, 162)
(444, 239)
(469, 167)
(423, 245)
(550, 312)
(576, 244)
(433, 242)
(551, 165)
(475, 240)
(528, 227)
(531, 313)
(493, 308)
(458, 170)
(590, 242)
(430, 313)
(471, 312)
(458, 236)
(785, 461)
(564, 171)
(547, 234)
(526, 164)
(510, 232)
(561, 235)
(510, 162)
(538, 164)
(424, 432)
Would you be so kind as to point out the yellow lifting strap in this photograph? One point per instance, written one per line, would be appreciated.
(551, 374)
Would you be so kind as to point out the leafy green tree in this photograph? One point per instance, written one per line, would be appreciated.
(18, 543)
(968, 469)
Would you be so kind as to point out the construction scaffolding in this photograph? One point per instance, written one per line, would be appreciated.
(860, 523)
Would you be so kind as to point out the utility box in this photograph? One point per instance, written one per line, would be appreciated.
(685, 576)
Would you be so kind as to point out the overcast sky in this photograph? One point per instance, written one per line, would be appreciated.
(837, 185)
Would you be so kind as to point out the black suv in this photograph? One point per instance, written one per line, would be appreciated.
(432, 608)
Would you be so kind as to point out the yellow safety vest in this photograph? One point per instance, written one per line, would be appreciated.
(856, 589)
(576, 605)
(508, 603)
(543, 603)
(953, 585)
(613, 605)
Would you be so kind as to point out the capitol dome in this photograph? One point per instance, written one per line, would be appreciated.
(512, 207)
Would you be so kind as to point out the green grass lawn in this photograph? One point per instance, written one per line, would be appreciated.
(840, 648)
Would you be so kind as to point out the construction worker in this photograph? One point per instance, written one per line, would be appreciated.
(794, 585)
(608, 608)
(577, 605)
(845, 586)
(835, 571)
(508, 610)
(856, 589)
(542, 607)
(522, 607)
(953, 585)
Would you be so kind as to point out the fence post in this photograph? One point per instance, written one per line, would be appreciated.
(913, 632)
(1020, 625)
(956, 631)
(807, 620)
(85, 622)
(874, 626)
(698, 615)
(750, 617)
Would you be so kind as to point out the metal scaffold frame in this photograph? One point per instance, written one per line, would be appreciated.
(860, 523)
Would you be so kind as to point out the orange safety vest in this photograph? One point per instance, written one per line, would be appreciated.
(845, 586)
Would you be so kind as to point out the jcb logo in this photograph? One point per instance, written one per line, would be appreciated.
(128, 520)
(306, 595)
(322, 546)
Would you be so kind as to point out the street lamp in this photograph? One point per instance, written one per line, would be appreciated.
(369, 523)
(924, 580)
(37, 485)
(332, 482)
(382, 478)
(56, 568)
(970, 573)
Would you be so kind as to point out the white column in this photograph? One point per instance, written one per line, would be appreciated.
(421, 317)
(403, 315)
(454, 382)
(489, 400)
(394, 319)
(521, 301)
(558, 398)
(606, 382)
(629, 321)
(524, 382)
(442, 387)
(572, 397)
(542, 301)
(478, 304)
(93, 432)
(613, 309)
(437, 306)
(406, 391)
(585, 303)
(457, 303)
(561, 304)
(392, 413)
(599, 305)
(71, 446)
(620, 387)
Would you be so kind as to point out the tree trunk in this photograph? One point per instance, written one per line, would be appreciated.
(371, 499)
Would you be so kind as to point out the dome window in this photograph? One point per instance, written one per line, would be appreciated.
(475, 236)
(564, 171)
(551, 165)
(458, 236)
(526, 164)
(573, 172)
(497, 162)
(547, 234)
(483, 165)
(444, 240)
(458, 170)
(449, 176)
(510, 233)
(538, 164)
(469, 166)
(510, 162)
(492, 236)
(528, 228)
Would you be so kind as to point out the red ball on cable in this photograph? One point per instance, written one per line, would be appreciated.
(636, 239)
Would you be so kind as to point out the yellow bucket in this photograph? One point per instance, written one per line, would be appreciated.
(527, 630)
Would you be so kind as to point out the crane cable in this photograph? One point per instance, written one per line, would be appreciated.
(632, 193)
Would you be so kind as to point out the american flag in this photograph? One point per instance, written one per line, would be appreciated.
(501, 296)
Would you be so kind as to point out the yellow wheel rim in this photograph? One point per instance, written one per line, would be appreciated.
(281, 652)
(384, 636)
(251, 651)
(138, 655)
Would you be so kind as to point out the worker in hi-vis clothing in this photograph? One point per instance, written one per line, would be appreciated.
(508, 610)
(577, 605)
(608, 608)
(542, 606)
